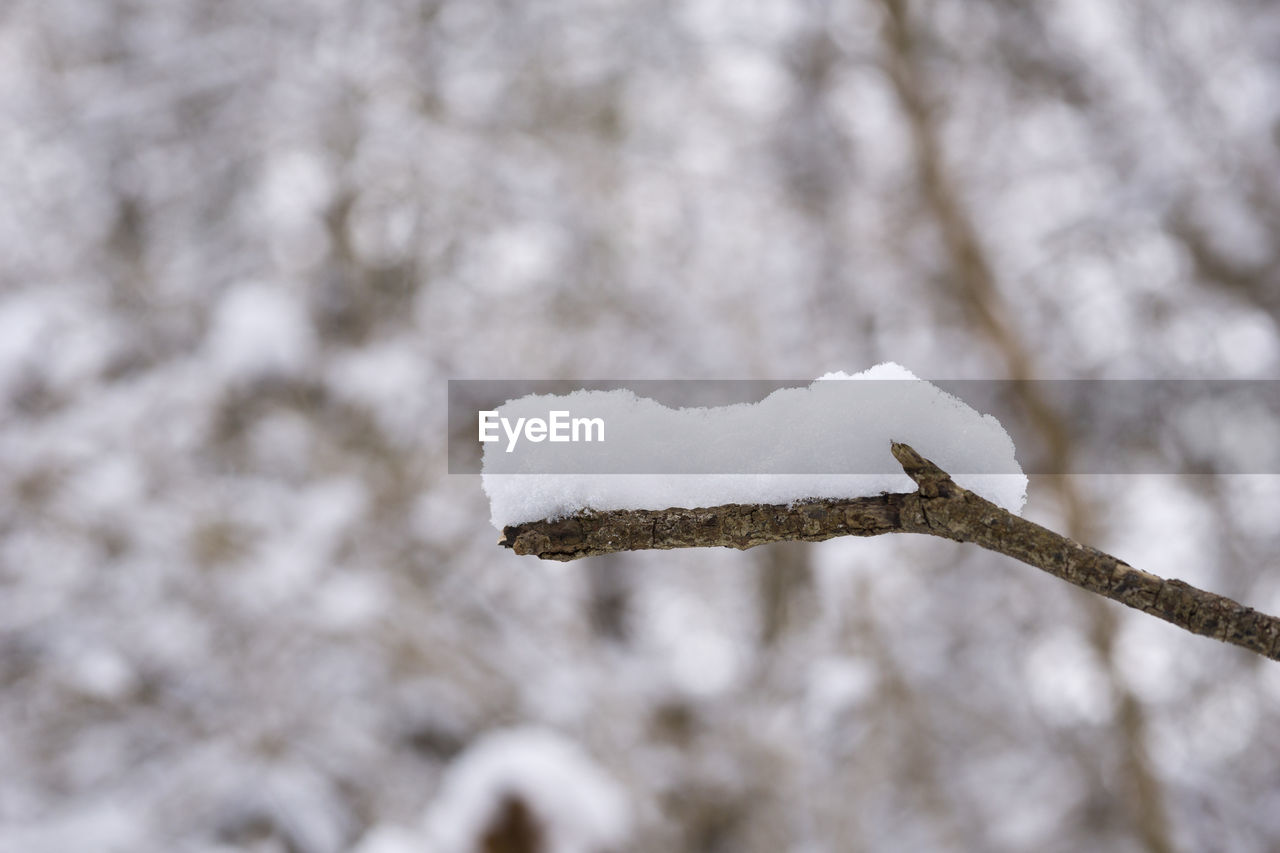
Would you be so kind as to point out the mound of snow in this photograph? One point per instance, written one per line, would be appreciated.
(829, 440)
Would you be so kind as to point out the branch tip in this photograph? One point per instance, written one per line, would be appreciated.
(931, 479)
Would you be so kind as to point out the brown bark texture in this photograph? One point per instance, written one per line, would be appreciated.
(938, 507)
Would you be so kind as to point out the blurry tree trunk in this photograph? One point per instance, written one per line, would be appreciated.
(786, 586)
(813, 157)
(513, 829)
(609, 598)
(980, 295)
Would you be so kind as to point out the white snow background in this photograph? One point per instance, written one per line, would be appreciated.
(830, 440)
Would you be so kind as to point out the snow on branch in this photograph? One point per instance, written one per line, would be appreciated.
(938, 507)
(551, 456)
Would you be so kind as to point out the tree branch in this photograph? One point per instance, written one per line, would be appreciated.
(939, 507)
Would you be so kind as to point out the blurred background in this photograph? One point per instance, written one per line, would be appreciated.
(243, 245)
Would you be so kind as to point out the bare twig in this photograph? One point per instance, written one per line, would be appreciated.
(938, 507)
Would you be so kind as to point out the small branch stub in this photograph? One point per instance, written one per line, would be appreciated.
(939, 507)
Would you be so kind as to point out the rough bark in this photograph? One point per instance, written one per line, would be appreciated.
(938, 507)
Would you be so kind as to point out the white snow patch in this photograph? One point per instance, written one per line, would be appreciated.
(24, 322)
(830, 440)
(386, 838)
(577, 806)
(703, 658)
(386, 379)
(111, 486)
(750, 81)
(296, 186)
(103, 674)
(836, 685)
(517, 256)
(351, 602)
(260, 330)
(45, 334)
(109, 824)
(1065, 680)
(305, 540)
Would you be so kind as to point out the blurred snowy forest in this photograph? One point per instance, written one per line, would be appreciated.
(244, 244)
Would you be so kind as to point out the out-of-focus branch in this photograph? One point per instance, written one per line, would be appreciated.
(975, 281)
(939, 507)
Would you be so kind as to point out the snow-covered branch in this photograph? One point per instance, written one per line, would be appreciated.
(938, 507)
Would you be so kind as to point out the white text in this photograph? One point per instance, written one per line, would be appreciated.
(557, 427)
